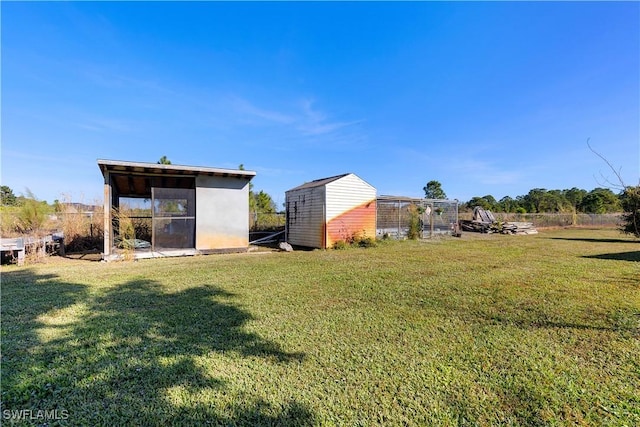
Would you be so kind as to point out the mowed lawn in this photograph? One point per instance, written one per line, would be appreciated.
(482, 330)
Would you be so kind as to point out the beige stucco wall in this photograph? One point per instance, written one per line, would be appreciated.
(222, 213)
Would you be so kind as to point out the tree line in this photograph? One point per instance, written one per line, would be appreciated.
(540, 200)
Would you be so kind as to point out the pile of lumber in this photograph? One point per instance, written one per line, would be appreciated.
(517, 228)
(484, 222)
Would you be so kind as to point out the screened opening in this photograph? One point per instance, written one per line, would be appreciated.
(133, 223)
(147, 217)
(174, 221)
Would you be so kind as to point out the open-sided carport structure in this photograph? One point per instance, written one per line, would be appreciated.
(190, 209)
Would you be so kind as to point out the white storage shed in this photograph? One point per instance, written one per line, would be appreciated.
(327, 210)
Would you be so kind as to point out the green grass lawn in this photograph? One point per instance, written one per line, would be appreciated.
(483, 330)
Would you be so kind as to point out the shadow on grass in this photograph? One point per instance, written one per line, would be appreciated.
(84, 256)
(133, 354)
(595, 240)
(504, 313)
(620, 256)
(539, 322)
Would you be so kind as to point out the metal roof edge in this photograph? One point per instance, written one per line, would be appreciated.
(386, 197)
(328, 180)
(106, 164)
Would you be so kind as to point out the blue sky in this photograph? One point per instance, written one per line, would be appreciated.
(487, 98)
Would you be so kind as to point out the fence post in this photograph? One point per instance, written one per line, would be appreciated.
(399, 207)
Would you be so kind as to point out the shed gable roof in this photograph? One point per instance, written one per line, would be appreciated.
(319, 182)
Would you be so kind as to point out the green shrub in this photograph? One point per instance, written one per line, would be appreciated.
(32, 214)
(415, 225)
(366, 242)
(340, 244)
(356, 240)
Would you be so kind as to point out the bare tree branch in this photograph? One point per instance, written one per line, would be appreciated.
(630, 199)
(617, 173)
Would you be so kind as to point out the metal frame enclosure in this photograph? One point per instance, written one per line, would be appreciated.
(437, 216)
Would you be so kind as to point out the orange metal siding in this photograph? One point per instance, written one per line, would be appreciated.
(359, 221)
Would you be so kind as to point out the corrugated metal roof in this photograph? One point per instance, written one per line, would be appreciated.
(384, 198)
(160, 169)
(319, 182)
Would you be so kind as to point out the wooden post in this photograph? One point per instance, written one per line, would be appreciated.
(108, 225)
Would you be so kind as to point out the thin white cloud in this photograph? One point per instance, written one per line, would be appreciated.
(267, 171)
(101, 75)
(315, 129)
(104, 124)
(314, 122)
(310, 113)
(70, 117)
(50, 158)
(302, 120)
(286, 125)
(246, 108)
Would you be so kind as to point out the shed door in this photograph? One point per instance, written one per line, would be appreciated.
(174, 220)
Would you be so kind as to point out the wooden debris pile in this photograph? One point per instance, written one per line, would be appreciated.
(484, 222)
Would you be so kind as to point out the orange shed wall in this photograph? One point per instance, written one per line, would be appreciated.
(360, 220)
